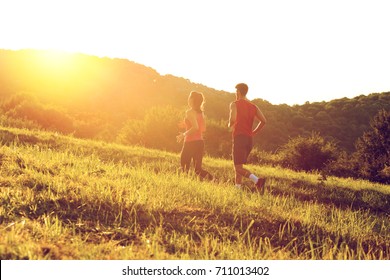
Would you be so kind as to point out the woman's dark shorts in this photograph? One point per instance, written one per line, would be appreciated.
(242, 146)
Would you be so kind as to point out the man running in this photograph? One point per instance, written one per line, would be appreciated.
(243, 114)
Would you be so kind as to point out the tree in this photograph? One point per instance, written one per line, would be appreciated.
(373, 149)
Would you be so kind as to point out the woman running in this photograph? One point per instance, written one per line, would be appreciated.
(193, 146)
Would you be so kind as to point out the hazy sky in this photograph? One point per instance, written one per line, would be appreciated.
(287, 51)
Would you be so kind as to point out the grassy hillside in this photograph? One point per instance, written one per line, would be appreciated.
(66, 198)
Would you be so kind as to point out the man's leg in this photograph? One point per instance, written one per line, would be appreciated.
(241, 148)
(241, 172)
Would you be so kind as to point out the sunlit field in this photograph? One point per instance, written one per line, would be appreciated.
(66, 198)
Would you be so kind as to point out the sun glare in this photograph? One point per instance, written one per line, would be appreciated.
(56, 71)
(55, 60)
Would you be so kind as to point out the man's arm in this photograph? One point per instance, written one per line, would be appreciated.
(233, 115)
(260, 117)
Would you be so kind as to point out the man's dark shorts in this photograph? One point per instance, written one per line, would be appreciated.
(242, 146)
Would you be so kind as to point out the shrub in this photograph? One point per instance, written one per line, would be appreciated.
(26, 108)
(132, 133)
(157, 130)
(344, 166)
(261, 157)
(218, 139)
(308, 153)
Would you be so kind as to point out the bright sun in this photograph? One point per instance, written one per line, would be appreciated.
(55, 60)
(52, 68)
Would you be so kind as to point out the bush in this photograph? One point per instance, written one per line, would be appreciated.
(19, 123)
(132, 133)
(218, 139)
(308, 153)
(157, 130)
(344, 166)
(261, 157)
(27, 109)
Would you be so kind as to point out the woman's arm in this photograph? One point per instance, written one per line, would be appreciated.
(191, 117)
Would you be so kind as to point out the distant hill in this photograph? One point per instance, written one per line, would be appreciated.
(97, 97)
(95, 84)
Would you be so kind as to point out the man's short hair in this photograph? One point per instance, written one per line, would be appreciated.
(243, 88)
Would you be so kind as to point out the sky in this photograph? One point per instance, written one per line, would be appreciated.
(286, 51)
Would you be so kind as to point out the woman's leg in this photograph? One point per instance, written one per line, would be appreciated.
(185, 157)
(198, 158)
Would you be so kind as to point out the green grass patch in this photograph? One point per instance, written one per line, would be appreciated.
(67, 198)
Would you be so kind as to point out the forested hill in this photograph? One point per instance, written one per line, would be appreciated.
(114, 99)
